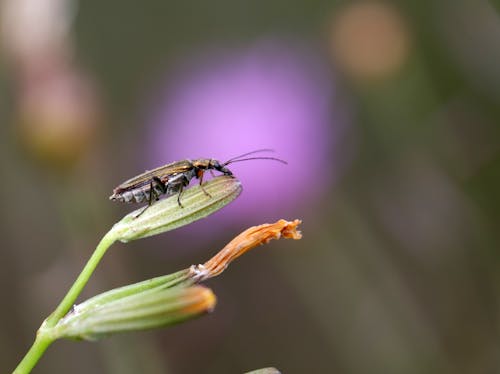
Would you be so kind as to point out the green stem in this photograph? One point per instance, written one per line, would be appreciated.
(81, 281)
(34, 354)
(44, 338)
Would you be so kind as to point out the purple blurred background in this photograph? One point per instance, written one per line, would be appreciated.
(269, 94)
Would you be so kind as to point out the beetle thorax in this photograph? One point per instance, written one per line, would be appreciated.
(203, 163)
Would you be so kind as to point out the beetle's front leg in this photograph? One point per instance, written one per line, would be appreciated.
(201, 173)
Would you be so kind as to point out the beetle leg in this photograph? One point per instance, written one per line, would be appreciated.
(184, 183)
(179, 196)
(152, 192)
(150, 200)
(200, 176)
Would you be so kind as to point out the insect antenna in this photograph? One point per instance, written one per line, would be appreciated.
(231, 160)
(255, 158)
(239, 158)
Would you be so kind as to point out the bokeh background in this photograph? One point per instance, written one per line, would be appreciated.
(388, 115)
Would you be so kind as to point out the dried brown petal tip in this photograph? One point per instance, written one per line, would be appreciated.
(245, 241)
(289, 230)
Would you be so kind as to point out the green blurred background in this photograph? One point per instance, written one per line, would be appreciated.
(398, 270)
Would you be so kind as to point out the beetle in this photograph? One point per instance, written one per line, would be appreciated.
(172, 178)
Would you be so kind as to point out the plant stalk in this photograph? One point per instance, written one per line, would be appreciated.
(44, 339)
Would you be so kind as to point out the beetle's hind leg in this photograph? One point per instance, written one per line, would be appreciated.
(184, 183)
(153, 195)
(181, 189)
